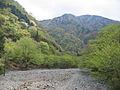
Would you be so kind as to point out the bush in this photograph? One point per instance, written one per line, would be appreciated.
(22, 52)
(54, 61)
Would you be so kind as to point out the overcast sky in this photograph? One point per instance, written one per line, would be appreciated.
(47, 9)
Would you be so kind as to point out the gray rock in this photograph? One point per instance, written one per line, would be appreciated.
(53, 79)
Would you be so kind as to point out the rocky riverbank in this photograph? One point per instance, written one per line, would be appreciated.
(53, 79)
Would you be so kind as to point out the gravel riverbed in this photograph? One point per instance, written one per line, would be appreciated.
(53, 79)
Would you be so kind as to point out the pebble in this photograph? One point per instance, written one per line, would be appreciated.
(53, 79)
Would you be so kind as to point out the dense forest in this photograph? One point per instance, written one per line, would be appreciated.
(24, 44)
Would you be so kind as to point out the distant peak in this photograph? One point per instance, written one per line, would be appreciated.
(69, 15)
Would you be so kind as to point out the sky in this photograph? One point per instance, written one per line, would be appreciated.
(48, 9)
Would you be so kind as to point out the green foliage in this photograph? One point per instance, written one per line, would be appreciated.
(104, 55)
(2, 19)
(25, 53)
(71, 44)
(22, 33)
(22, 52)
(33, 31)
(33, 27)
(44, 47)
(14, 29)
(1, 41)
(54, 61)
(16, 18)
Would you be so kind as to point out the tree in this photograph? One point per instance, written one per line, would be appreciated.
(1, 65)
(44, 47)
(1, 41)
(21, 33)
(2, 19)
(3, 3)
(23, 52)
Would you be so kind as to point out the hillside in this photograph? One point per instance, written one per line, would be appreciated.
(103, 55)
(71, 31)
(24, 43)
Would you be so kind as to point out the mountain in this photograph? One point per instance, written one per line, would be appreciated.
(73, 32)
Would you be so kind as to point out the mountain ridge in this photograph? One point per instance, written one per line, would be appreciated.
(68, 14)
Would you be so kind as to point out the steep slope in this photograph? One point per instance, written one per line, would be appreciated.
(23, 42)
(82, 28)
(14, 10)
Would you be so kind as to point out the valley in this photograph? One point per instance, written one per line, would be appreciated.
(63, 53)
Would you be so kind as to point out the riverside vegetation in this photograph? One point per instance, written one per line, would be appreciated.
(24, 44)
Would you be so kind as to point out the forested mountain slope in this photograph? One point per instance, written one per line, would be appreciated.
(25, 20)
(71, 31)
(24, 43)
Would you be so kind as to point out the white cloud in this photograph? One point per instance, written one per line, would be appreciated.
(46, 9)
